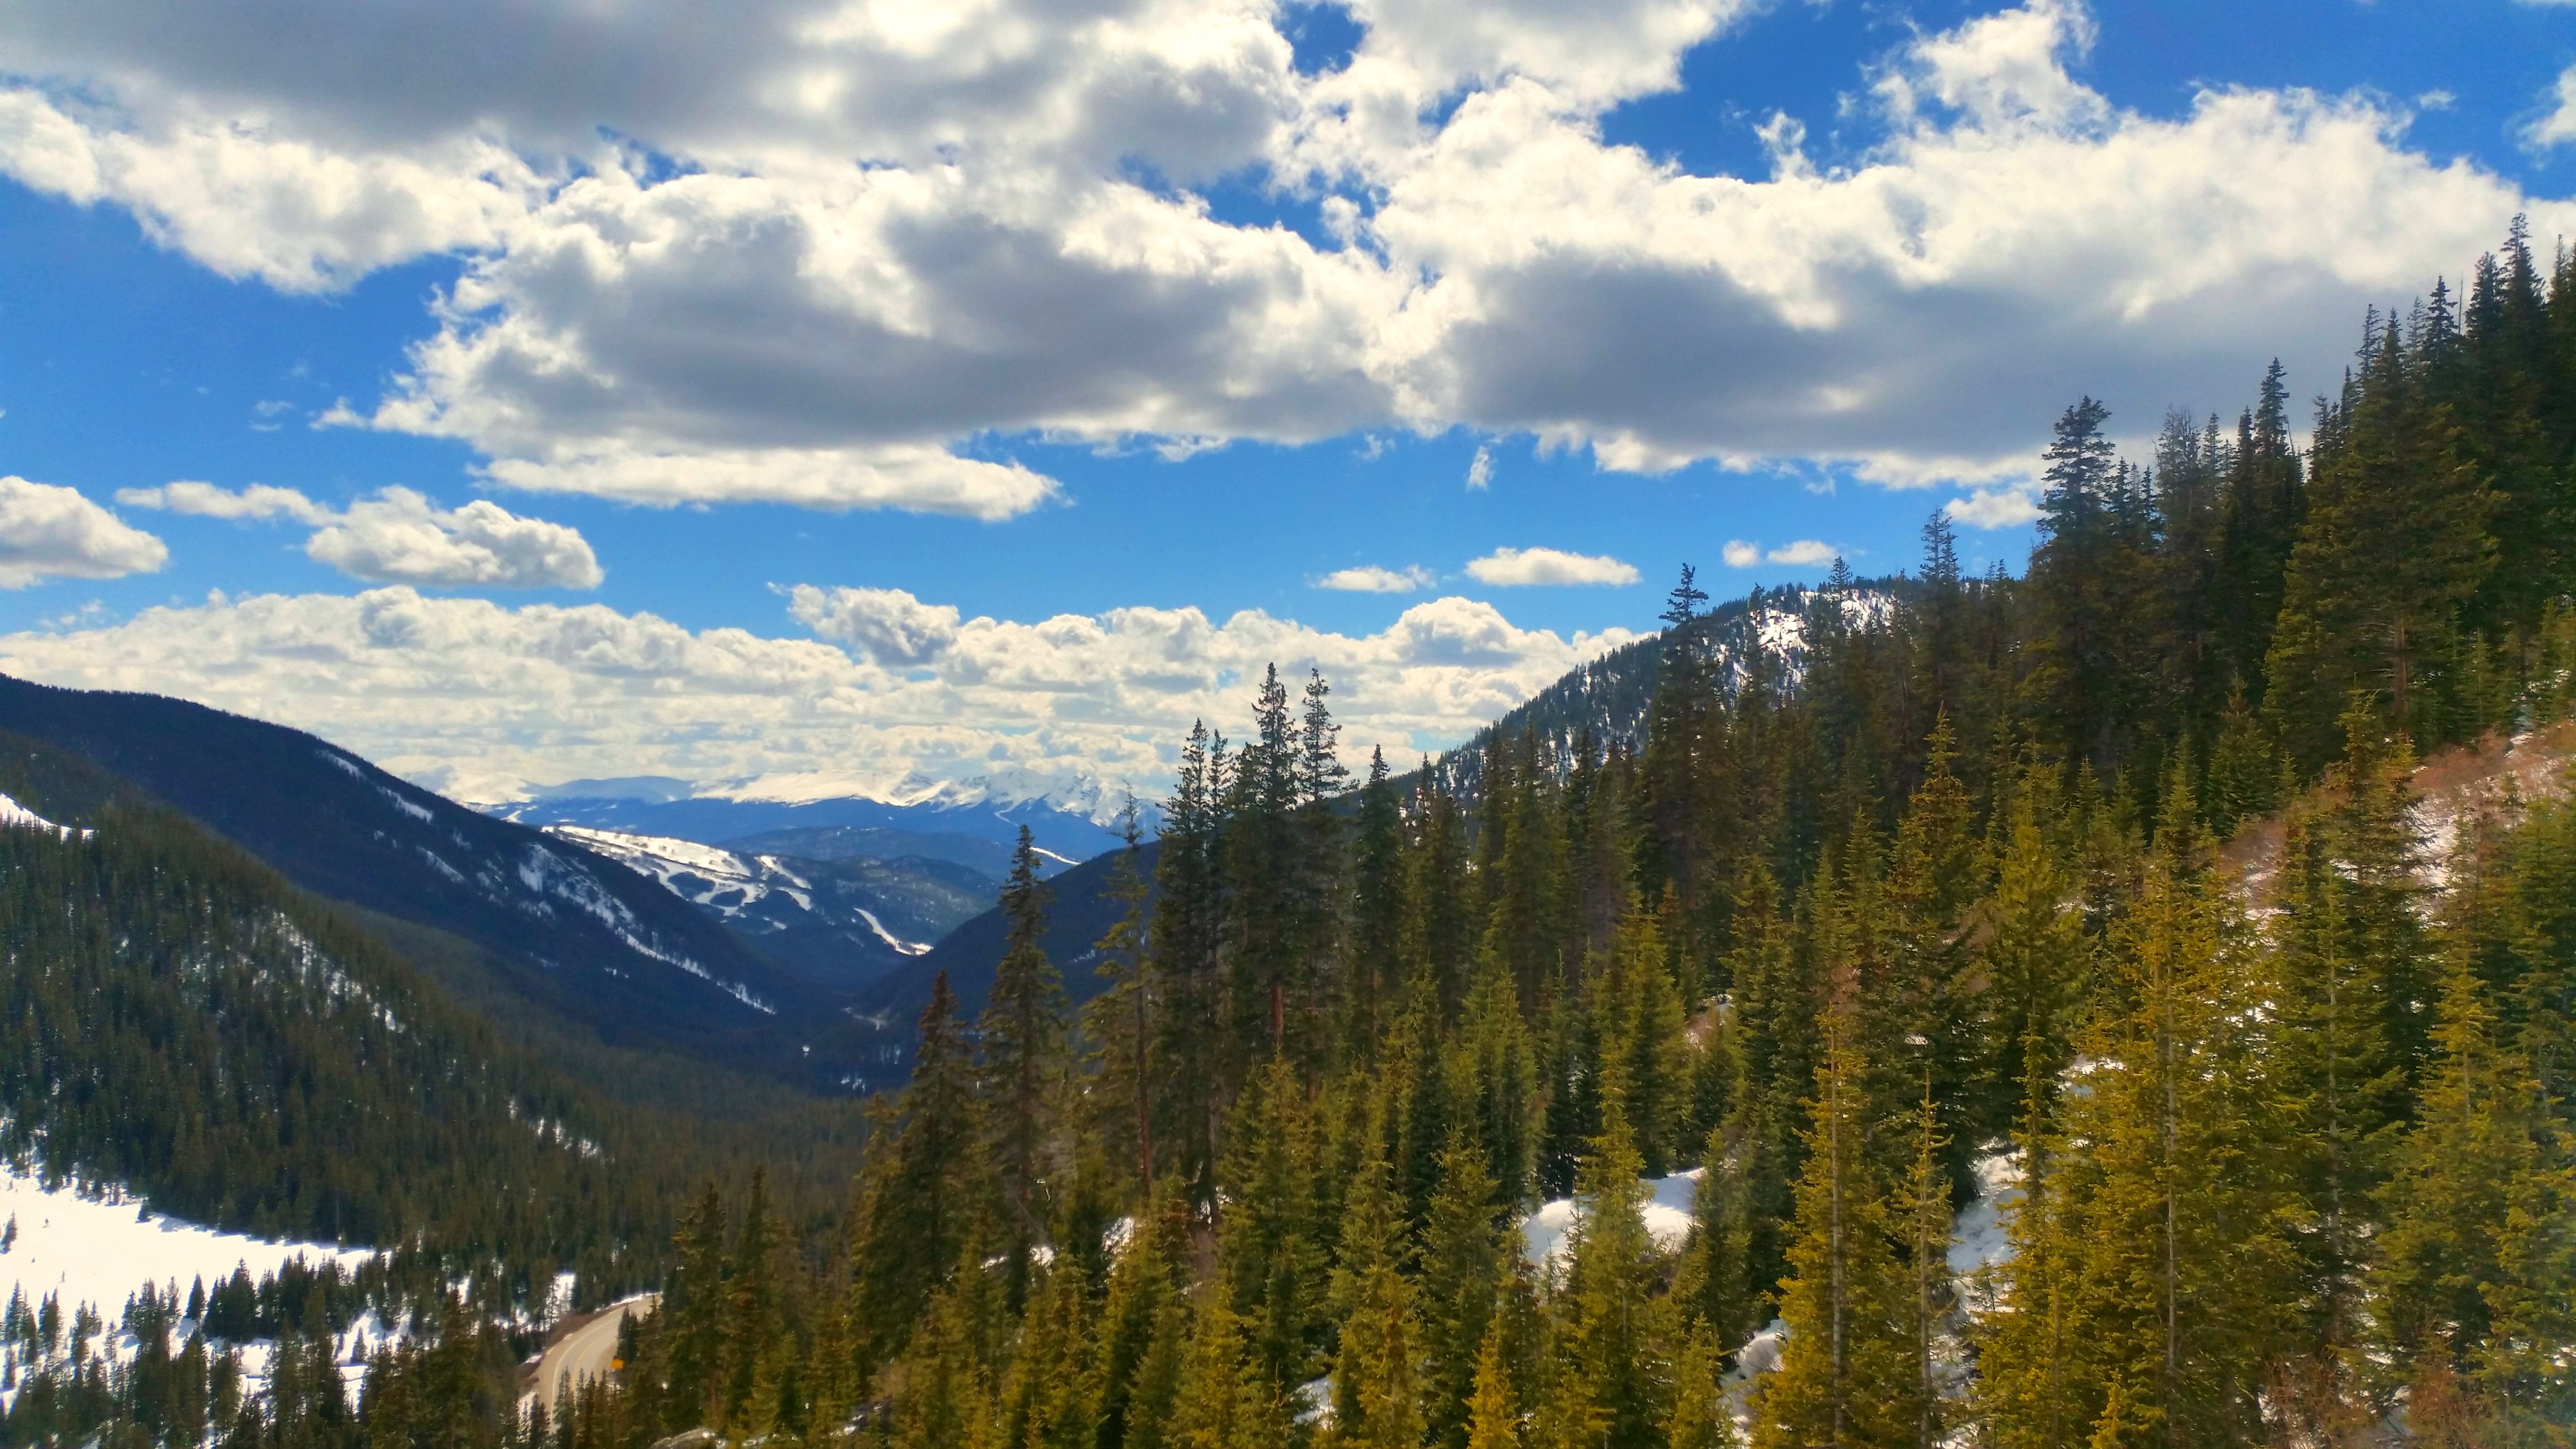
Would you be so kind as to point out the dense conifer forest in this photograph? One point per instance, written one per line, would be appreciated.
(1956, 900)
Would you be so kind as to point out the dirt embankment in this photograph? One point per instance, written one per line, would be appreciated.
(2459, 791)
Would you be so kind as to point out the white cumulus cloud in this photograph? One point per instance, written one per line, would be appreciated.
(1993, 508)
(400, 536)
(2557, 127)
(479, 690)
(1522, 567)
(841, 256)
(49, 531)
(206, 500)
(1374, 579)
(1805, 553)
(892, 626)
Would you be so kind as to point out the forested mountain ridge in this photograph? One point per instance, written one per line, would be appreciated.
(578, 936)
(184, 1023)
(2296, 1157)
(1608, 700)
(838, 924)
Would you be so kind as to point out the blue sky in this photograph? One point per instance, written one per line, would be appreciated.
(885, 344)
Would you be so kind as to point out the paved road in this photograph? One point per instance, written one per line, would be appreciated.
(587, 1351)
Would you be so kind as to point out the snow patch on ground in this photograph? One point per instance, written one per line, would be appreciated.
(908, 948)
(15, 815)
(1980, 1241)
(412, 808)
(101, 1249)
(1979, 1237)
(1667, 1212)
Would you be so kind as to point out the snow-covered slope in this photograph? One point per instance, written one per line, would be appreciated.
(98, 1246)
(16, 816)
(837, 921)
(550, 921)
(947, 823)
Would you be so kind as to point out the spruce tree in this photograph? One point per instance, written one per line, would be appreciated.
(1378, 979)
(1022, 1031)
(1493, 1410)
(1462, 1264)
(1613, 1388)
(920, 1199)
(2394, 543)
(1848, 1375)
(2481, 1243)
(1119, 1022)
(1377, 1399)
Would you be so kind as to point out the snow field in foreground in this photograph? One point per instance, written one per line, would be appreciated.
(101, 1250)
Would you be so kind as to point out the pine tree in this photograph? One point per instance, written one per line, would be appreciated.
(1119, 1022)
(1376, 1396)
(1462, 1262)
(2036, 964)
(1271, 1251)
(2395, 542)
(2481, 1243)
(1776, 1005)
(1493, 1413)
(694, 1309)
(1378, 978)
(1614, 1385)
(944, 1402)
(920, 1197)
(1185, 974)
(1223, 1400)
(1022, 1031)
(1642, 1039)
(754, 1313)
(1051, 1400)
(1700, 1417)
(1848, 1375)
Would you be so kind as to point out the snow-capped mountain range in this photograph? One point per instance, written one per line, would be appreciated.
(951, 820)
(836, 922)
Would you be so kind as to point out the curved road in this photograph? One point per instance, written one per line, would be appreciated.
(587, 1351)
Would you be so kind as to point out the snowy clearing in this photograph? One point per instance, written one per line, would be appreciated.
(100, 1250)
(1667, 1212)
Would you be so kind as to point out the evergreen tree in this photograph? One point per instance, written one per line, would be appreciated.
(1022, 1030)
(2482, 1241)
(1462, 1264)
(1848, 1375)
(1378, 977)
(1493, 1412)
(2394, 543)
(1613, 1388)
(1119, 1022)
(1376, 1394)
(919, 1200)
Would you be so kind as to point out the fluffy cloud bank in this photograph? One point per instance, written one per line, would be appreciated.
(399, 536)
(827, 253)
(48, 531)
(1805, 553)
(464, 689)
(1377, 579)
(1529, 567)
